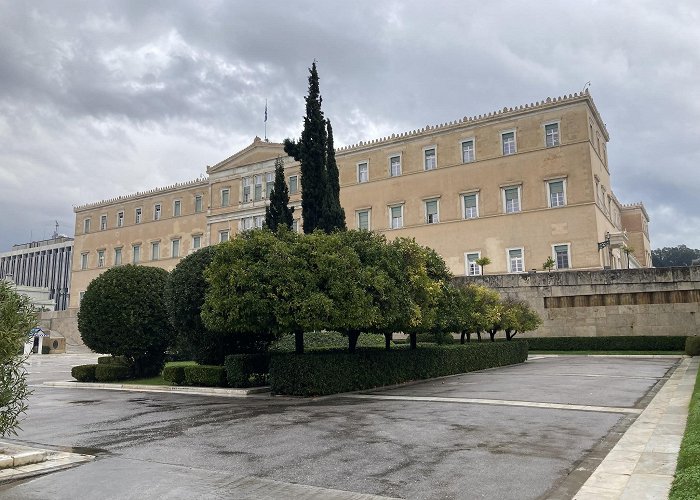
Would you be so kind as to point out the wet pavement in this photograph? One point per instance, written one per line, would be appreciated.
(482, 438)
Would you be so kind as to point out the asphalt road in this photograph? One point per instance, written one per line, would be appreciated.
(183, 446)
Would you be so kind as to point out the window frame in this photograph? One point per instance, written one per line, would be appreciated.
(467, 269)
(473, 150)
(120, 218)
(522, 260)
(391, 218)
(462, 197)
(519, 187)
(118, 256)
(360, 171)
(155, 250)
(296, 184)
(548, 183)
(515, 142)
(101, 261)
(400, 163)
(157, 211)
(84, 261)
(136, 254)
(103, 222)
(257, 187)
(269, 184)
(177, 208)
(568, 255)
(222, 233)
(557, 143)
(437, 210)
(196, 241)
(175, 243)
(138, 215)
(225, 197)
(368, 211)
(432, 148)
(86, 225)
(198, 203)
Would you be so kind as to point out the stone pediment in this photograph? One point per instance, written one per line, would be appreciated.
(258, 151)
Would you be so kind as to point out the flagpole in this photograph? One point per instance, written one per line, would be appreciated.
(265, 120)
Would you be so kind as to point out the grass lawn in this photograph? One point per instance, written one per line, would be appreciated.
(686, 484)
(586, 353)
(158, 380)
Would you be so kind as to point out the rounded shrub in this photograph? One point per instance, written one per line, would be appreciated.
(112, 373)
(692, 346)
(174, 374)
(123, 313)
(83, 373)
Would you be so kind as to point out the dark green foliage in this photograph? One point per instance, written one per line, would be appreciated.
(84, 373)
(692, 346)
(437, 337)
(329, 372)
(245, 370)
(112, 372)
(333, 213)
(279, 213)
(310, 152)
(686, 484)
(622, 343)
(184, 294)
(174, 374)
(315, 341)
(123, 313)
(113, 360)
(674, 256)
(205, 375)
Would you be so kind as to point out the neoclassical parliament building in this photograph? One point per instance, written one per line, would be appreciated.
(517, 185)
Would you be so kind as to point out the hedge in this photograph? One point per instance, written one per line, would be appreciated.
(245, 370)
(83, 373)
(328, 372)
(174, 374)
(113, 360)
(326, 340)
(112, 372)
(692, 346)
(621, 343)
(205, 375)
(686, 483)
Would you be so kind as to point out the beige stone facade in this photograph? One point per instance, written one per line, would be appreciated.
(517, 186)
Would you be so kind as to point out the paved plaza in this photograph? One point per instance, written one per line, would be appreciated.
(536, 430)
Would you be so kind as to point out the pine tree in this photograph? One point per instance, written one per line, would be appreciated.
(310, 151)
(278, 213)
(333, 213)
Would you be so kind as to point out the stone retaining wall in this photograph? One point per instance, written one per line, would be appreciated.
(663, 301)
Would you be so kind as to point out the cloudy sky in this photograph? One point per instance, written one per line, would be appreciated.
(102, 98)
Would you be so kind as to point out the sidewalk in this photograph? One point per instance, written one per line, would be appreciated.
(642, 464)
(178, 389)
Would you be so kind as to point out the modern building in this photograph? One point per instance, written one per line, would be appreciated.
(42, 267)
(517, 185)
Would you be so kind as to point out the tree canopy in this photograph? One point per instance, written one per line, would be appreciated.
(674, 256)
(278, 213)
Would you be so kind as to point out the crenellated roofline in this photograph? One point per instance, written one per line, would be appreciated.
(639, 205)
(129, 197)
(506, 112)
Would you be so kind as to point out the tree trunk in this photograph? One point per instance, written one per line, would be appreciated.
(493, 333)
(387, 340)
(478, 335)
(461, 337)
(299, 342)
(353, 335)
(414, 340)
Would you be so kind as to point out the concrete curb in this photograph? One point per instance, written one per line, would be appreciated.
(30, 462)
(173, 389)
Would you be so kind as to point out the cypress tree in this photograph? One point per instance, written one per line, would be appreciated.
(333, 212)
(310, 152)
(278, 213)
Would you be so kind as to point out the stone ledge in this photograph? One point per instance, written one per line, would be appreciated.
(207, 391)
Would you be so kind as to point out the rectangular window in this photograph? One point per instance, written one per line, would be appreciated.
(561, 256)
(258, 187)
(117, 256)
(196, 242)
(431, 212)
(557, 195)
(198, 203)
(223, 236)
(395, 166)
(515, 260)
(471, 206)
(269, 184)
(120, 219)
(177, 208)
(137, 217)
(100, 258)
(551, 135)
(156, 211)
(429, 159)
(136, 249)
(155, 250)
(293, 184)
(396, 217)
(363, 219)
(508, 141)
(511, 196)
(468, 151)
(83, 261)
(175, 248)
(472, 268)
(362, 172)
(246, 189)
(82, 294)
(258, 221)
(225, 198)
(246, 223)
(295, 225)
(86, 226)
(103, 222)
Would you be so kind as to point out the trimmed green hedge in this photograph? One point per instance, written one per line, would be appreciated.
(686, 483)
(113, 360)
(329, 372)
(622, 343)
(245, 370)
(83, 373)
(692, 346)
(434, 338)
(205, 375)
(112, 373)
(326, 340)
(174, 374)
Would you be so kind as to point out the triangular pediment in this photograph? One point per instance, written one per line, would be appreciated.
(257, 152)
